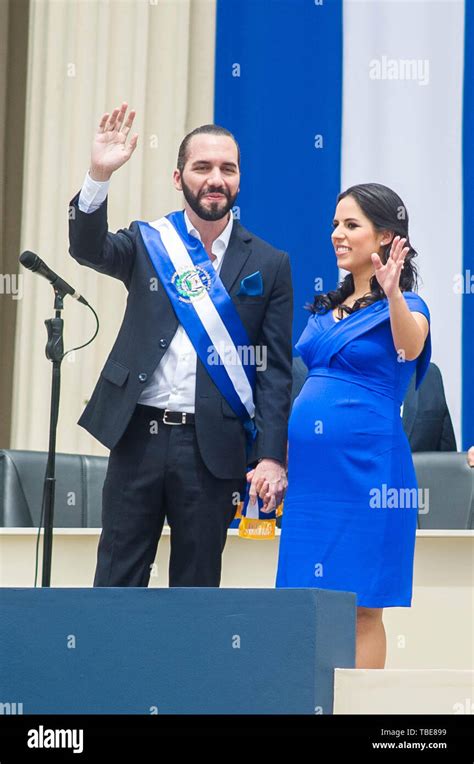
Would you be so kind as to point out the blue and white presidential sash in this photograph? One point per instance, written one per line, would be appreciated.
(205, 310)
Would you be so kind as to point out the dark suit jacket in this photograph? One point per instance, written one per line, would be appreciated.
(300, 372)
(426, 418)
(148, 327)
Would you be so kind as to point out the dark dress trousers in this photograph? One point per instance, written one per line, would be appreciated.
(192, 474)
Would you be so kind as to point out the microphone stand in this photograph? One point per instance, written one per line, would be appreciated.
(54, 353)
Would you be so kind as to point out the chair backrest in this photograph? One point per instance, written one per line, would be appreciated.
(79, 482)
(449, 480)
(78, 496)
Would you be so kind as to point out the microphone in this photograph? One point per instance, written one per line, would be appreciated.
(34, 263)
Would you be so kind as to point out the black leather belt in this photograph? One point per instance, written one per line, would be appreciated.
(170, 417)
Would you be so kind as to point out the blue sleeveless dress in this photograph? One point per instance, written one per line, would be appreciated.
(350, 512)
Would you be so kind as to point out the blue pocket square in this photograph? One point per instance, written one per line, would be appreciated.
(252, 285)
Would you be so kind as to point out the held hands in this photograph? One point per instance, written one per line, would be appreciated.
(269, 481)
(388, 275)
(109, 148)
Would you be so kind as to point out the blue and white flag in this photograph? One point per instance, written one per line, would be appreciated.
(325, 94)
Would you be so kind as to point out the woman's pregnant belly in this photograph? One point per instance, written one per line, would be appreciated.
(345, 439)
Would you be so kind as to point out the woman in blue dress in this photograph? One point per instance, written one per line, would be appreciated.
(350, 512)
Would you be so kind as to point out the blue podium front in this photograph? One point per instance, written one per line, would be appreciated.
(173, 651)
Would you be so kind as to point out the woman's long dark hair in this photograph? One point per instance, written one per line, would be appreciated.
(386, 211)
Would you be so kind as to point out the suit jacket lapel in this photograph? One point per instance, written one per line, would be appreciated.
(236, 255)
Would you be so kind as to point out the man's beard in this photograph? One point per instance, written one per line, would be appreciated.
(215, 210)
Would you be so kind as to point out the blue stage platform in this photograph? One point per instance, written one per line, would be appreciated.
(173, 651)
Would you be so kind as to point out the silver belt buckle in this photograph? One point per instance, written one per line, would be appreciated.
(183, 418)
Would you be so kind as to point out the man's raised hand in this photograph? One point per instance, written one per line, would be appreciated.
(110, 149)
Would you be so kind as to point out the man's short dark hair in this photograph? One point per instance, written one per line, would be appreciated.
(203, 130)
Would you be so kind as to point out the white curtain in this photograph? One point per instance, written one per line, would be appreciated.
(407, 134)
(85, 58)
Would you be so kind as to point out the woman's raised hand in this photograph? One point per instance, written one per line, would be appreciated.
(110, 149)
(388, 275)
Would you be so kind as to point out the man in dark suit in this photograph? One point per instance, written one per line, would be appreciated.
(178, 449)
(426, 418)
